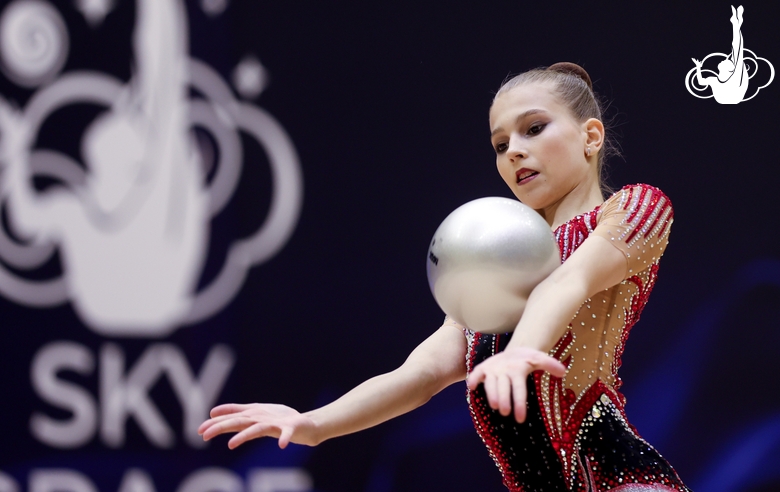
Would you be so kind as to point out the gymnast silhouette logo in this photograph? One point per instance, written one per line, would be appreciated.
(730, 84)
(131, 224)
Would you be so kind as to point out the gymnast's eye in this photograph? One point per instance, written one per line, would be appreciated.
(536, 128)
(501, 147)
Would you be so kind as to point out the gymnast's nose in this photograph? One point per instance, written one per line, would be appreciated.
(516, 147)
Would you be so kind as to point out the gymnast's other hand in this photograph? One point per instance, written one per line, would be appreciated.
(255, 420)
(504, 376)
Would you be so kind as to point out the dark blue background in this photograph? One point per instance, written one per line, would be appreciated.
(387, 105)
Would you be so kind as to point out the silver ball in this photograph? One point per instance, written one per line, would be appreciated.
(486, 258)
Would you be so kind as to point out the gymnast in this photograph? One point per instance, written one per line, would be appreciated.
(545, 398)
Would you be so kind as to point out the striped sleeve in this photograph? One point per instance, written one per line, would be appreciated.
(637, 221)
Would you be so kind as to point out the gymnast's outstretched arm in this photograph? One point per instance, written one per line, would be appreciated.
(596, 265)
(436, 363)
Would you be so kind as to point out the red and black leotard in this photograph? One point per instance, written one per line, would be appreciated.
(576, 436)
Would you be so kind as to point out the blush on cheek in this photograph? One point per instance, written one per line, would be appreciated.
(509, 180)
(505, 172)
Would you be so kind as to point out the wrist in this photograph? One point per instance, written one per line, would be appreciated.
(524, 351)
(525, 339)
(318, 434)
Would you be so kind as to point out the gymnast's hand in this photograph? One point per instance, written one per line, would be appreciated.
(259, 420)
(504, 376)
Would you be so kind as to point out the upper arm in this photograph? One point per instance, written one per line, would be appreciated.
(442, 355)
(637, 221)
(595, 265)
(632, 234)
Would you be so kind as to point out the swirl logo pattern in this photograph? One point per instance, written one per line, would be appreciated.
(131, 223)
(729, 85)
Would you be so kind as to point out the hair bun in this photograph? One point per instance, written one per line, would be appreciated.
(573, 69)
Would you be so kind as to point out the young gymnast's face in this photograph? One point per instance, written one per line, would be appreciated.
(540, 147)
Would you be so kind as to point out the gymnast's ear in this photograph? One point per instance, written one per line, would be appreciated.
(594, 133)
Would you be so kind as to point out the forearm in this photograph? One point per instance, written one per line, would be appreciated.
(595, 266)
(432, 366)
(550, 308)
(375, 401)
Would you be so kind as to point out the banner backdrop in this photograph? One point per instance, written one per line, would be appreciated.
(230, 201)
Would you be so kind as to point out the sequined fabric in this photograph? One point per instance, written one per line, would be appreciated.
(576, 436)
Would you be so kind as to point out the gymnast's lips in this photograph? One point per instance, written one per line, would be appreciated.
(524, 173)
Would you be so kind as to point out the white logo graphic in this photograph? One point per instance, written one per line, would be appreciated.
(730, 84)
(131, 224)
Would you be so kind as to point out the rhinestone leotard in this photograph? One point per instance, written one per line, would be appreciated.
(576, 436)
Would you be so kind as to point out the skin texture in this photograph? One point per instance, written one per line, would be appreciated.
(529, 128)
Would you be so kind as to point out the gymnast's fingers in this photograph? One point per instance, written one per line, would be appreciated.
(519, 397)
(477, 376)
(286, 436)
(228, 408)
(550, 364)
(491, 391)
(504, 394)
(253, 432)
(235, 424)
(215, 420)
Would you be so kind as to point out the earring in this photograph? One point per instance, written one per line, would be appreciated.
(587, 151)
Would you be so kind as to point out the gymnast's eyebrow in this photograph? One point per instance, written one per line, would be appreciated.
(520, 117)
